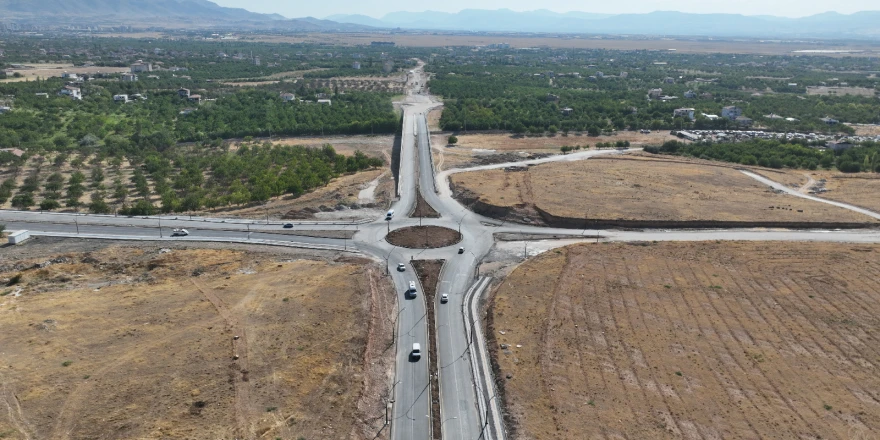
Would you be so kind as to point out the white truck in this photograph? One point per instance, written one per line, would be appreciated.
(179, 232)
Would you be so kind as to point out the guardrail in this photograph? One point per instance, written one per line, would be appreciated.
(291, 244)
(490, 411)
(194, 218)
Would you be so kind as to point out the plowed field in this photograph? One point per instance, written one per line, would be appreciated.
(692, 341)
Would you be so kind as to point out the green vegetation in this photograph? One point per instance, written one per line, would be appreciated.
(544, 91)
(777, 154)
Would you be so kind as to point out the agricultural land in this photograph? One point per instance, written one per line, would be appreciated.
(691, 340)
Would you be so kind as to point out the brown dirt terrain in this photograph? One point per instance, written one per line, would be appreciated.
(138, 342)
(477, 148)
(692, 340)
(423, 209)
(55, 71)
(423, 237)
(860, 189)
(639, 189)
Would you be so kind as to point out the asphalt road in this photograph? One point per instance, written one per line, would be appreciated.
(469, 409)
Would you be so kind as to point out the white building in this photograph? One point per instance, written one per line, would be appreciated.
(72, 92)
(690, 94)
(325, 101)
(120, 98)
(684, 112)
(129, 77)
(655, 93)
(731, 112)
(287, 97)
(356, 65)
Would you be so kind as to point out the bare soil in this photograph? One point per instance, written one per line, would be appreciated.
(475, 149)
(423, 209)
(642, 189)
(423, 237)
(140, 342)
(428, 272)
(691, 340)
(859, 189)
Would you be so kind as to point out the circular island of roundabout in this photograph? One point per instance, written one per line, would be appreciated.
(423, 237)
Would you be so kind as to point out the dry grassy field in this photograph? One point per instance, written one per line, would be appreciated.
(55, 70)
(860, 189)
(638, 188)
(473, 146)
(825, 91)
(692, 341)
(125, 342)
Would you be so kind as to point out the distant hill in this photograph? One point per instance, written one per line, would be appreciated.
(154, 13)
(860, 25)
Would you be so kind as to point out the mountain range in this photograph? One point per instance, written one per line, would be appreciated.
(155, 13)
(860, 25)
(205, 13)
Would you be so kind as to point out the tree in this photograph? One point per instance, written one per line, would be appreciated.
(49, 204)
(99, 205)
(23, 201)
(452, 140)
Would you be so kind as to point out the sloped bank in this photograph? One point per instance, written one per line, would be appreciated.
(534, 215)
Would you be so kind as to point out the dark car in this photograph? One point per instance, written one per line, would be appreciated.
(288, 225)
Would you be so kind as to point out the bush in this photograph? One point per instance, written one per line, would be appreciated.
(49, 204)
(452, 140)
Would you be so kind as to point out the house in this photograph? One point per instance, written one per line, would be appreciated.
(669, 80)
(140, 66)
(287, 97)
(129, 77)
(600, 75)
(72, 92)
(183, 93)
(744, 121)
(668, 98)
(551, 98)
(624, 74)
(120, 98)
(70, 76)
(683, 112)
(4, 109)
(690, 94)
(567, 111)
(830, 121)
(195, 98)
(706, 95)
(773, 116)
(731, 112)
(325, 101)
(655, 93)
(356, 65)
(13, 151)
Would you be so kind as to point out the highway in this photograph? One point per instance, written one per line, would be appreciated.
(469, 409)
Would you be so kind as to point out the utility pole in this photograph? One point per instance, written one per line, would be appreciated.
(77, 225)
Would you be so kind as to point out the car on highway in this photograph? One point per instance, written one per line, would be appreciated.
(416, 352)
(401, 267)
(288, 225)
(444, 298)
(179, 233)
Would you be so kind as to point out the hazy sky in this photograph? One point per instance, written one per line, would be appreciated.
(377, 8)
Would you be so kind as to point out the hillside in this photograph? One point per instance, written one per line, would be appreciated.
(153, 13)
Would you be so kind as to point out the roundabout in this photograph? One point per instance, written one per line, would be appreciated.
(423, 237)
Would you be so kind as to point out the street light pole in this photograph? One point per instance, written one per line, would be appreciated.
(77, 225)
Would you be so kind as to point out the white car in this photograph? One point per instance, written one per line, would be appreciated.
(444, 298)
(401, 267)
(179, 233)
